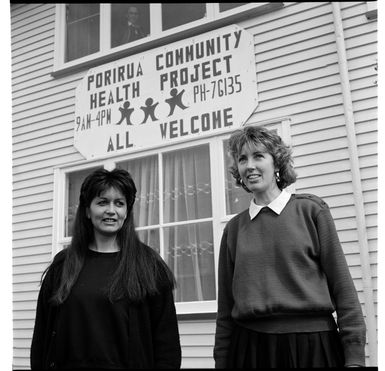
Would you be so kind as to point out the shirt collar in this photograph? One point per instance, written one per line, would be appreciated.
(277, 205)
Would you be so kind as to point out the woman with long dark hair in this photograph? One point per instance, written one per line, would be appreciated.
(282, 272)
(106, 301)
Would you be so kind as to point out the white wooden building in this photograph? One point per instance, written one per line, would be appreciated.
(316, 84)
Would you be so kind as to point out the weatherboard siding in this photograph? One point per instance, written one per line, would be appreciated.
(298, 79)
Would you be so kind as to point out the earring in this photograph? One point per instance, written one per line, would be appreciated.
(277, 177)
(241, 181)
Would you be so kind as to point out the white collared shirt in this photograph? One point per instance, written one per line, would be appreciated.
(277, 205)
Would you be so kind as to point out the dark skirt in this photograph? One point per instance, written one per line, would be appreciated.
(251, 349)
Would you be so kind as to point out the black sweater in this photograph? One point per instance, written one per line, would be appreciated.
(88, 331)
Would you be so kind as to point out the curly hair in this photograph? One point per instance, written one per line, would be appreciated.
(273, 144)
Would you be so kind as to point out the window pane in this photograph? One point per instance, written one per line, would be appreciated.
(190, 255)
(150, 237)
(174, 15)
(82, 25)
(187, 185)
(144, 172)
(129, 22)
(227, 6)
(237, 199)
(74, 182)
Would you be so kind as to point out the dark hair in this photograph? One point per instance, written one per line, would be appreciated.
(140, 271)
(272, 143)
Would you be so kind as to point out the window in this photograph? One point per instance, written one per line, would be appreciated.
(174, 15)
(83, 29)
(88, 32)
(227, 6)
(178, 224)
(184, 200)
(129, 22)
(145, 172)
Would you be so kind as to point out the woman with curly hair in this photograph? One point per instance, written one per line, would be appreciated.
(106, 301)
(282, 272)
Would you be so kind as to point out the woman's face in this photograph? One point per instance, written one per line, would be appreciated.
(257, 170)
(108, 212)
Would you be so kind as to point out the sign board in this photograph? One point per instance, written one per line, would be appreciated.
(193, 87)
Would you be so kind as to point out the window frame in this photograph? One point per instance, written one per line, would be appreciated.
(218, 219)
(214, 19)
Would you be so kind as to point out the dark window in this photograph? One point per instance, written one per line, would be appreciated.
(227, 6)
(82, 30)
(129, 22)
(174, 15)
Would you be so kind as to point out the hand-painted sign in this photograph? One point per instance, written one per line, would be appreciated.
(193, 87)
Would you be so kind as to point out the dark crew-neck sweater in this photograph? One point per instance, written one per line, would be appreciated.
(92, 331)
(88, 331)
(287, 273)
